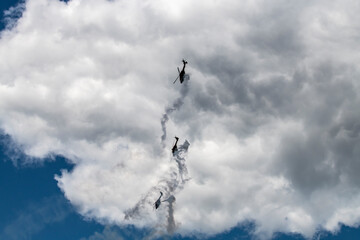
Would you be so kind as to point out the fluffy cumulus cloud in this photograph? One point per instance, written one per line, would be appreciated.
(270, 111)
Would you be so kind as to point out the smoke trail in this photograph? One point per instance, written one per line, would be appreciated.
(180, 160)
(173, 182)
(135, 212)
(175, 106)
(169, 185)
(171, 226)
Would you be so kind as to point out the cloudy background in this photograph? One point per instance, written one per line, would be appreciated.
(271, 112)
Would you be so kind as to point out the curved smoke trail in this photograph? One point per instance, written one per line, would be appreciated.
(175, 106)
(169, 185)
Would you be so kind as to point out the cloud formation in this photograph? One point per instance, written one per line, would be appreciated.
(270, 112)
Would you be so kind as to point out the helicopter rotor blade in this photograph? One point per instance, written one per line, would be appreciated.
(176, 79)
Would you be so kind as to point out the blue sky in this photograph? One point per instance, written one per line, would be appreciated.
(268, 112)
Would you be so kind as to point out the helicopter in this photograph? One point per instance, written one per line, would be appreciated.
(158, 202)
(181, 73)
(174, 148)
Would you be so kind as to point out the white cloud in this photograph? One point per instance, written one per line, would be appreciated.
(270, 114)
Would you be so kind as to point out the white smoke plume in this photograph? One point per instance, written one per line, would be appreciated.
(175, 106)
(169, 185)
(171, 225)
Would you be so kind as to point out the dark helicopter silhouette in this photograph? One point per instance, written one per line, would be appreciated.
(182, 73)
(158, 202)
(174, 148)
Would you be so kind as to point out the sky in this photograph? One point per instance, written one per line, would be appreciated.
(267, 119)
